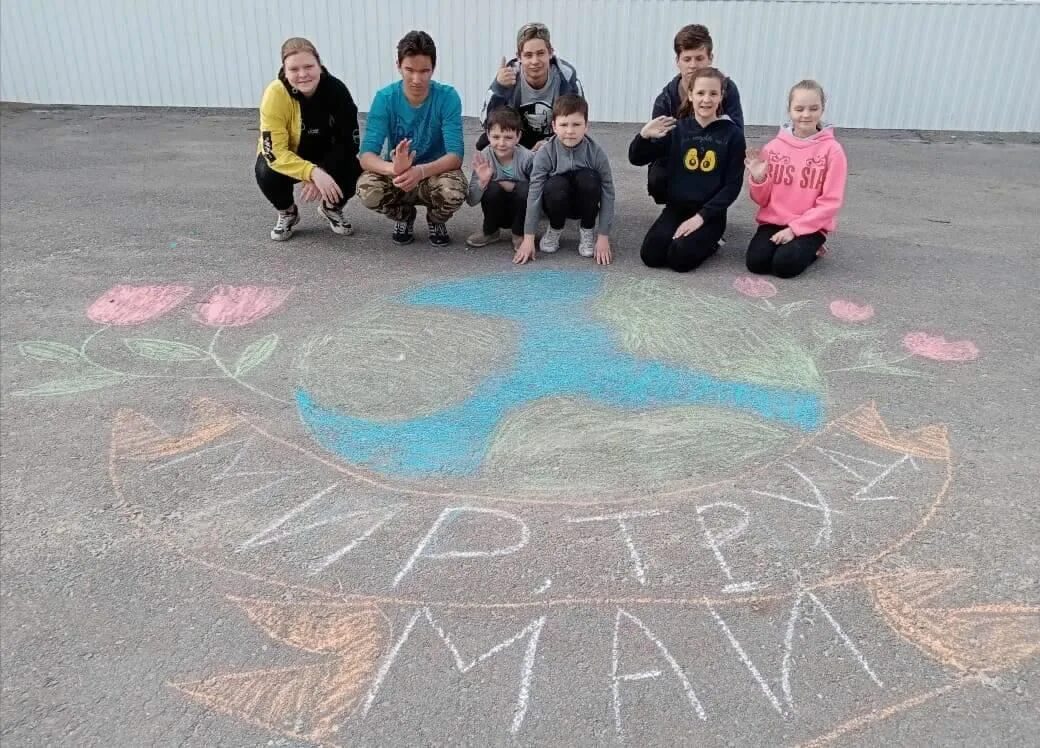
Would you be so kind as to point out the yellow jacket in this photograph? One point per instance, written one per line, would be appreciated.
(280, 125)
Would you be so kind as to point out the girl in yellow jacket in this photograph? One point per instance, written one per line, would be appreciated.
(308, 134)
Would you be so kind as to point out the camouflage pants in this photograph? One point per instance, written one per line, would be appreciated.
(442, 195)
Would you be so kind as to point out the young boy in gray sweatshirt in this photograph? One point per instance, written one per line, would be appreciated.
(570, 178)
(500, 180)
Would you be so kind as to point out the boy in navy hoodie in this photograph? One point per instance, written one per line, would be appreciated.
(704, 158)
(693, 49)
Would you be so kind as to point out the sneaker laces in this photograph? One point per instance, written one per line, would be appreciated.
(402, 227)
(285, 221)
(438, 229)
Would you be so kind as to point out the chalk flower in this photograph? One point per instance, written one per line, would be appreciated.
(134, 305)
(848, 311)
(237, 306)
(756, 288)
(938, 348)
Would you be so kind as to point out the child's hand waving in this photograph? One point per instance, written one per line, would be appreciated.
(483, 169)
(658, 127)
(756, 165)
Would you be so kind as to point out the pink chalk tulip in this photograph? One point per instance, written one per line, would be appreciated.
(134, 305)
(236, 306)
(756, 288)
(937, 348)
(848, 311)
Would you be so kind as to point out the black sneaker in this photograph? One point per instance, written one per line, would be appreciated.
(283, 229)
(403, 233)
(439, 236)
(337, 222)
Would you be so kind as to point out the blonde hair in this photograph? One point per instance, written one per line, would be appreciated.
(807, 85)
(298, 44)
(687, 105)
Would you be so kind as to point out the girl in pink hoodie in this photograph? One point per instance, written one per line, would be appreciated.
(798, 182)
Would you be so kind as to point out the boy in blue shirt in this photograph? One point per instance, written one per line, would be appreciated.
(412, 150)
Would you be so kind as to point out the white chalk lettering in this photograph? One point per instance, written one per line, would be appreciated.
(638, 567)
(420, 550)
(616, 680)
(715, 538)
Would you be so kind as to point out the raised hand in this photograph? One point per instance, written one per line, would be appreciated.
(506, 76)
(483, 169)
(658, 127)
(402, 157)
(756, 165)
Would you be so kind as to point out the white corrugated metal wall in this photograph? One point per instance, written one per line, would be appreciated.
(951, 65)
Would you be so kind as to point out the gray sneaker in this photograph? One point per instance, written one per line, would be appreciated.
(550, 240)
(480, 239)
(337, 222)
(284, 228)
(586, 242)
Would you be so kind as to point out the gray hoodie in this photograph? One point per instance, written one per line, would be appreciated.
(523, 160)
(555, 158)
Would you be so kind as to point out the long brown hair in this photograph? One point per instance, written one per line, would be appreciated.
(687, 105)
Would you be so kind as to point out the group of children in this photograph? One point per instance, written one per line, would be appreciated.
(536, 160)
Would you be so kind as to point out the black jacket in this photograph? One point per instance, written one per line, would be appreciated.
(705, 164)
(330, 129)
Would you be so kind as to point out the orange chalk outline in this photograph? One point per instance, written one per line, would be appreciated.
(212, 420)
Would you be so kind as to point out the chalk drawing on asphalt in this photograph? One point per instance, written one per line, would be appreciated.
(738, 496)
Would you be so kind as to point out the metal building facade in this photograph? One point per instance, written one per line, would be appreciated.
(917, 64)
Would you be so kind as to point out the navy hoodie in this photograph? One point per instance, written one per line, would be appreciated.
(705, 164)
(669, 101)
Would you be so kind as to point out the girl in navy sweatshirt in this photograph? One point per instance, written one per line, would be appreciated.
(705, 173)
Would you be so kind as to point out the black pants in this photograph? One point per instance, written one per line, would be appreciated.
(657, 181)
(504, 209)
(575, 194)
(686, 253)
(782, 260)
(278, 188)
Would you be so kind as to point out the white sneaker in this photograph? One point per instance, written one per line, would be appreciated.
(284, 228)
(586, 242)
(551, 240)
(337, 222)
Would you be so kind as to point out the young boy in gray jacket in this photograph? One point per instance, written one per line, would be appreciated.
(570, 178)
(500, 180)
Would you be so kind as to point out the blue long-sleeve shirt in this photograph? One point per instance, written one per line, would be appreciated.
(434, 127)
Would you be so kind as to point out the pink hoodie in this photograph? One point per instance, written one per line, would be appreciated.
(805, 186)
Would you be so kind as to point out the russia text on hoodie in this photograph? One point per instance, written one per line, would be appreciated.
(805, 186)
